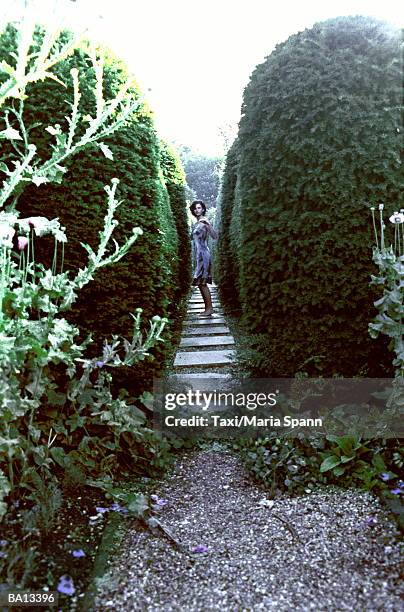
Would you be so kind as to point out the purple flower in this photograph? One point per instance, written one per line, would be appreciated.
(118, 508)
(200, 548)
(99, 364)
(101, 509)
(396, 491)
(78, 553)
(3, 542)
(65, 585)
(384, 476)
(158, 501)
(3, 555)
(371, 521)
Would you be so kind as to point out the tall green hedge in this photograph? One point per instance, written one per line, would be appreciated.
(226, 257)
(174, 177)
(320, 135)
(148, 276)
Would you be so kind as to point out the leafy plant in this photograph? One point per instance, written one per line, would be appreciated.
(149, 275)
(390, 261)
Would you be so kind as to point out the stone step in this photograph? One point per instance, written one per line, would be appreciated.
(201, 376)
(191, 314)
(205, 330)
(201, 302)
(207, 341)
(197, 293)
(193, 307)
(208, 321)
(206, 358)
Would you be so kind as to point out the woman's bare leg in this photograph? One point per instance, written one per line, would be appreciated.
(207, 298)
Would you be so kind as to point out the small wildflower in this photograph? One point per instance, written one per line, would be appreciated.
(118, 508)
(159, 502)
(22, 242)
(40, 225)
(371, 521)
(397, 218)
(11, 133)
(200, 548)
(381, 206)
(6, 234)
(3, 542)
(101, 510)
(3, 555)
(384, 476)
(65, 585)
(99, 364)
(78, 553)
(397, 491)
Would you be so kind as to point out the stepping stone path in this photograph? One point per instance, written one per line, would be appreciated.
(206, 341)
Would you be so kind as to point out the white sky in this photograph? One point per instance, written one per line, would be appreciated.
(192, 58)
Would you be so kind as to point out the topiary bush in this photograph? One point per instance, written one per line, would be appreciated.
(174, 177)
(319, 136)
(147, 278)
(226, 257)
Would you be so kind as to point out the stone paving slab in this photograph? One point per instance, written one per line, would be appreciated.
(205, 330)
(198, 300)
(195, 314)
(202, 303)
(201, 375)
(201, 307)
(207, 321)
(208, 341)
(208, 358)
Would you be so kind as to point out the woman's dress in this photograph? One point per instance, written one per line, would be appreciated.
(201, 255)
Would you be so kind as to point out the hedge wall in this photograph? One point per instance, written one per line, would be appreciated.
(174, 177)
(226, 268)
(319, 136)
(148, 276)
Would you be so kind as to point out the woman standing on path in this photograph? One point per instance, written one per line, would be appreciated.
(203, 261)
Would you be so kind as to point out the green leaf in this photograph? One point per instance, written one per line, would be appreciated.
(59, 455)
(329, 463)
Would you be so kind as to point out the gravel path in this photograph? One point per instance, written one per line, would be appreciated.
(331, 559)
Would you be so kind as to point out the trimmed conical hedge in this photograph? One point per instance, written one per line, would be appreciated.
(319, 136)
(149, 275)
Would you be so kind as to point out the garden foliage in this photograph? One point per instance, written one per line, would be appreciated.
(149, 277)
(320, 136)
(299, 464)
(61, 423)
